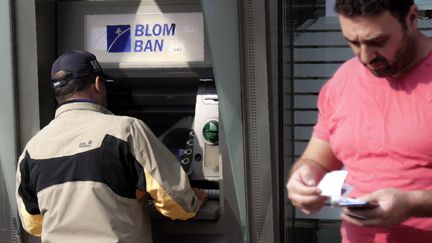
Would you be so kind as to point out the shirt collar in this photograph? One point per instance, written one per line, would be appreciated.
(81, 105)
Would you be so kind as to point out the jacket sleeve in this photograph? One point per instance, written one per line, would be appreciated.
(28, 209)
(166, 181)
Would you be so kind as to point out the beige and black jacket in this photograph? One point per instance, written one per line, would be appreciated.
(77, 179)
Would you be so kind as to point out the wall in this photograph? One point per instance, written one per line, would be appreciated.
(8, 143)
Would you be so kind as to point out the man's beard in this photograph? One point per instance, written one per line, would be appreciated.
(404, 58)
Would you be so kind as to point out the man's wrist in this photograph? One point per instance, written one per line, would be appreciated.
(317, 168)
(419, 203)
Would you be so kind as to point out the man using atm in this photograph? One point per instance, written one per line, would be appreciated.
(79, 178)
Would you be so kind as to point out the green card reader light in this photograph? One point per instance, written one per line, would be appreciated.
(210, 132)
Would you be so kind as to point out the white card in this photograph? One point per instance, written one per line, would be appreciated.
(332, 182)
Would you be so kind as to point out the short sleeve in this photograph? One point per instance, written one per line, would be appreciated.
(321, 128)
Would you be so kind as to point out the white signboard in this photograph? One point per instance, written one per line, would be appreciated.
(424, 4)
(152, 40)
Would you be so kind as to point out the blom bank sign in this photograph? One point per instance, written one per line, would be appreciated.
(154, 40)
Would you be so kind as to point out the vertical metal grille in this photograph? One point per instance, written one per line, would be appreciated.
(8, 230)
(253, 131)
(257, 116)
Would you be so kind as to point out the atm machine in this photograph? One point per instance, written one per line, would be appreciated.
(157, 55)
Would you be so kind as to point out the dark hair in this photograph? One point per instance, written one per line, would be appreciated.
(353, 8)
(72, 86)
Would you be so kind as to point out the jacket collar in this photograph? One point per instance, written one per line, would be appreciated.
(81, 105)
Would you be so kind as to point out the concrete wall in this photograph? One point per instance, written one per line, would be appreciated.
(8, 143)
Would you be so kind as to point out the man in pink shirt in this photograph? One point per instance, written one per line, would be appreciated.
(375, 119)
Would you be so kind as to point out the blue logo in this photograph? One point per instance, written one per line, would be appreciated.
(118, 38)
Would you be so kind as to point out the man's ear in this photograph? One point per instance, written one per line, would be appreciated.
(99, 85)
(413, 15)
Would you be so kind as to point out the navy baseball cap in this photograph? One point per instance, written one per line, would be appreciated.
(80, 64)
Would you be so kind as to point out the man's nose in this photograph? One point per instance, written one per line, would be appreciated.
(367, 54)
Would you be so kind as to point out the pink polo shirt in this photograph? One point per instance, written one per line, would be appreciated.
(381, 130)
